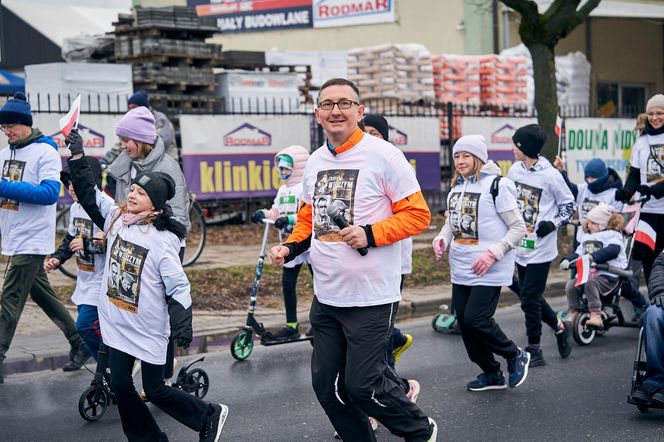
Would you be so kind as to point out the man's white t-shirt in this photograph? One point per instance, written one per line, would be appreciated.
(90, 273)
(539, 192)
(651, 167)
(476, 225)
(133, 313)
(367, 179)
(28, 229)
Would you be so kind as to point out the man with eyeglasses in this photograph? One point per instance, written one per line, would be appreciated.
(29, 189)
(356, 297)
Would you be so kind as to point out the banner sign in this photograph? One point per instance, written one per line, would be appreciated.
(418, 138)
(256, 15)
(232, 156)
(329, 13)
(610, 139)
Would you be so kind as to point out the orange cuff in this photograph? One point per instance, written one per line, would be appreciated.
(303, 226)
(411, 216)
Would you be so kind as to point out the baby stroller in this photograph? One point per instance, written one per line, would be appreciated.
(612, 314)
(99, 395)
(639, 375)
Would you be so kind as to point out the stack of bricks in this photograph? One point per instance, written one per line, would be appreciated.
(402, 72)
(456, 79)
(503, 81)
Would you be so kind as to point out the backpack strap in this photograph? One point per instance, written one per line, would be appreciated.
(494, 188)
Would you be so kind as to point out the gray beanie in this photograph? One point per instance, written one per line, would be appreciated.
(655, 101)
(473, 144)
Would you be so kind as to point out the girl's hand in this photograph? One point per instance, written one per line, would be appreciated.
(278, 255)
(51, 264)
(76, 244)
(483, 263)
(439, 247)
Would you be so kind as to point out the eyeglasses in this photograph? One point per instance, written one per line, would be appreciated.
(6, 127)
(341, 104)
(655, 114)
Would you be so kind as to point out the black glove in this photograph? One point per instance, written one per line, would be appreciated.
(544, 228)
(258, 216)
(75, 142)
(644, 190)
(658, 301)
(657, 190)
(281, 222)
(621, 196)
(182, 341)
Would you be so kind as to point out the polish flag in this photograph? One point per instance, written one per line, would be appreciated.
(559, 125)
(70, 121)
(645, 234)
(582, 270)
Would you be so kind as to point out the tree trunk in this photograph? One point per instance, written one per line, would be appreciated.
(546, 100)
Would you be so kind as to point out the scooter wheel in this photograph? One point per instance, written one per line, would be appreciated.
(92, 409)
(198, 382)
(582, 335)
(242, 345)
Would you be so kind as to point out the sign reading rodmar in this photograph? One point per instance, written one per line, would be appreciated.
(352, 12)
(398, 137)
(247, 135)
(91, 138)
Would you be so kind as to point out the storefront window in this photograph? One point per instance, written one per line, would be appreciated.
(620, 100)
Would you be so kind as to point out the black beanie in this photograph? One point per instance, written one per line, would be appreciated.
(16, 111)
(529, 139)
(159, 186)
(379, 123)
(65, 175)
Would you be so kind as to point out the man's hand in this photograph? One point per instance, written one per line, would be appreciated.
(51, 264)
(258, 216)
(621, 196)
(281, 222)
(544, 228)
(658, 301)
(355, 237)
(483, 263)
(278, 255)
(182, 341)
(558, 163)
(564, 264)
(76, 244)
(75, 142)
(644, 190)
(439, 246)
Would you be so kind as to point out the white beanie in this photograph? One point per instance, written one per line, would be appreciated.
(600, 214)
(473, 144)
(655, 101)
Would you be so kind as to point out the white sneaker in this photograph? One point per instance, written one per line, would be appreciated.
(434, 431)
(413, 390)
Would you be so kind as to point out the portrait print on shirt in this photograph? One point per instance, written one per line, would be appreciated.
(464, 217)
(12, 170)
(655, 167)
(125, 268)
(84, 260)
(587, 205)
(333, 185)
(528, 200)
(591, 246)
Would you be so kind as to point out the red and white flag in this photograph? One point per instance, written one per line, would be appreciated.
(70, 121)
(559, 126)
(582, 270)
(645, 234)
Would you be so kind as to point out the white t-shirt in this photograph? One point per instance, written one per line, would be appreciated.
(406, 255)
(90, 273)
(539, 191)
(652, 168)
(287, 202)
(586, 201)
(133, 313)
(591, 242)
(367, 178)
(28, 229)
(476, 225)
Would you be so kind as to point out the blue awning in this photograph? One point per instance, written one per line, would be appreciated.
(10, 83)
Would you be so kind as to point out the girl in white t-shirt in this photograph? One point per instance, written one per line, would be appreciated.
(482, 230)
(145, 299)
(602, 240)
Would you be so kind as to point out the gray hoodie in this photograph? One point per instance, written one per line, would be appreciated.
(156, 161)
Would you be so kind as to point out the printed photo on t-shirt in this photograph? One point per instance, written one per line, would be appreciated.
(335, 186)
(587, 205)
(12, 170)
(591, 246)
(528, 201)
(655, 165)
(125, 268)
(84, 261)
(463, 213)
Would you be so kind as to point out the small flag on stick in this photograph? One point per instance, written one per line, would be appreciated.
(645, 234)
(582, 270)
(70, 121)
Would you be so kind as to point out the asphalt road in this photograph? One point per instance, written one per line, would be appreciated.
(270, 398)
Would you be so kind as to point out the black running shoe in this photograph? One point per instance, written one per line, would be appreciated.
(285, 334)
(77, 357)
(214, 424)
(536, 356)
(563, 341)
